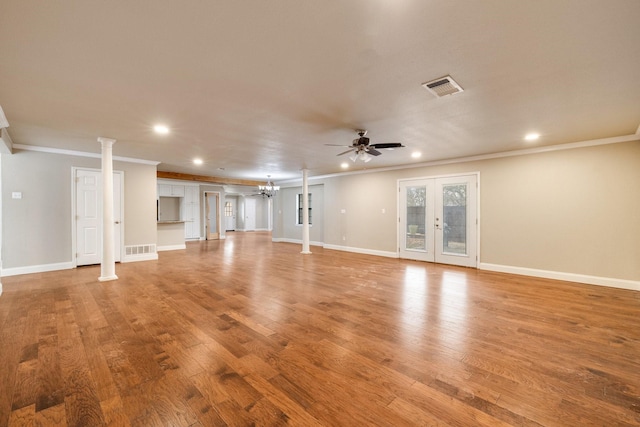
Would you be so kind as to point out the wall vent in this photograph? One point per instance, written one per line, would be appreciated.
(443, 86)
(140, 249)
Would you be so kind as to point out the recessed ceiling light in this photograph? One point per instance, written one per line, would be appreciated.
(344, 165)
(161, 129)
(197, 161)
(416, 154)
(531, 136)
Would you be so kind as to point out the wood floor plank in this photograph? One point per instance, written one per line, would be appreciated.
(203, 337)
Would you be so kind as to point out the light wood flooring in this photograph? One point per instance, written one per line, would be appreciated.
(249, 332)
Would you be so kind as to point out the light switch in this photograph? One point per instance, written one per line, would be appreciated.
(343, 211)
(16, 195)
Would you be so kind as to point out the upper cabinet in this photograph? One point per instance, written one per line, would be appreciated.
(170, 190)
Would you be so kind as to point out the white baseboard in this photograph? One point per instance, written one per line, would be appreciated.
(338, 247)
(171, 247)
(386, 254)
(633, 285)
(30, 269)
(140, 257)
(296, 241)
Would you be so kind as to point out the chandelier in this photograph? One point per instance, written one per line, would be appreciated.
(268, 190)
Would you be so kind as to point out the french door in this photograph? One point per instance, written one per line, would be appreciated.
(438, 220)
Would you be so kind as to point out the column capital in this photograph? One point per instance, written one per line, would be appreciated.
(106, 141)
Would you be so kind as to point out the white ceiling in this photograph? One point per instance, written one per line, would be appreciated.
(258, 87)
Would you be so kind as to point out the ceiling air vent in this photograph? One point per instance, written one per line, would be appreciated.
(442, 86)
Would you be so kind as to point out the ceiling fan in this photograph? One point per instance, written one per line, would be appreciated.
(363, 150)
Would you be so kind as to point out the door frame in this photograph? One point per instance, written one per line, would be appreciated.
(206, 217)
(74, 232)
(434, 177)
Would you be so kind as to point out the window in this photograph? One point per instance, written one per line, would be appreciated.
(228, 209)
(299, 208)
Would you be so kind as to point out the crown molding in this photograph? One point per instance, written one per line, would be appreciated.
(4, 123)
(513, 153)
(6, 145)
(82, 154)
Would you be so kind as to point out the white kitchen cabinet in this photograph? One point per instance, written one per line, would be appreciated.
(164, 190)
(191, 212)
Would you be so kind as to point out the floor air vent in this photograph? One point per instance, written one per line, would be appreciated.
(442, 86)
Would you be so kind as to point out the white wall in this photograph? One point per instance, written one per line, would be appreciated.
(262, 213)
(285, 214)
(37, 228)
(573, 211)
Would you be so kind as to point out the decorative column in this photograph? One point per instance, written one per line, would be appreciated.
(107, 264)
(305, 212)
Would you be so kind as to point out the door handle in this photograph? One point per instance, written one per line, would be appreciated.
(117, 222)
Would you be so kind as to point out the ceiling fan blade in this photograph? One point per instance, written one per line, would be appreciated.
(387, 145)
(373, 151)
(345, 152)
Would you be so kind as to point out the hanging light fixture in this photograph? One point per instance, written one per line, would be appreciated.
(268, 190)
(360, 154)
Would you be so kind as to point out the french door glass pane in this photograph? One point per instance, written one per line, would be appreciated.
(416, 218)
(454, 198)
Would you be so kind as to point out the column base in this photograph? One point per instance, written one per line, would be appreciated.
(107, 278)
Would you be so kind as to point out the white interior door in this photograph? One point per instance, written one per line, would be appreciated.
(117, 216)
(88, 215)
(230, 214)
(438, 220)
(250, 214)
(88, 211)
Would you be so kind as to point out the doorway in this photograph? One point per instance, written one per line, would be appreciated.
(212, 206)
(438, 220)
(87, 211)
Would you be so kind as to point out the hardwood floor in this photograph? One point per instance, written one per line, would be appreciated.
(248, 332)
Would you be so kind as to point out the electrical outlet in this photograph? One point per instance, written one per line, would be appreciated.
(16, 195)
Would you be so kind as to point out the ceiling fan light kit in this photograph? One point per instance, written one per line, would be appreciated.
(362, 155)
(364, 151)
